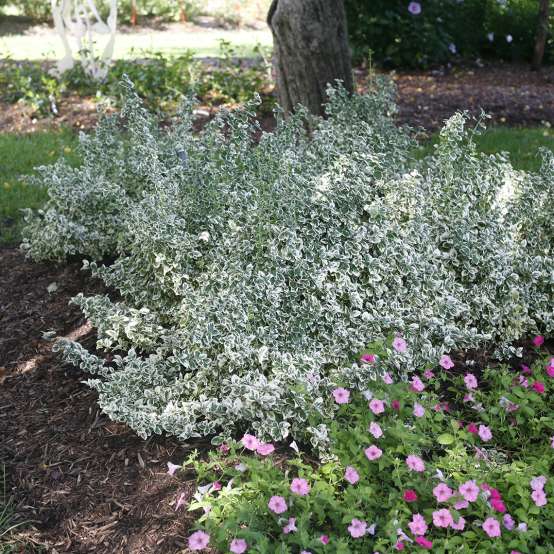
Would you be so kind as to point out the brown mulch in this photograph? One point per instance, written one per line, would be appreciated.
(81, 482)
(512, 94)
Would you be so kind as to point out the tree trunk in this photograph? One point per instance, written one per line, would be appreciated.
(542, 33)
(310, 50)
(133, 12)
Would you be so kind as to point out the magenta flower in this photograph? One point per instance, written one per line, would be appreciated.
(300, 486)
(491, 527)
(357, 528)
(415, 463)
(469, 490)
(472, 428)
(324, 539)
(277, 504)
(373, 453)
(375, 429)
(198, 540)
(376, 406)
(238, 546)
(417, 384)
(414, 8)
(250, 442)
(442, 518)
(471, 381)
(538, 341)
(417, 525)
(424, 543)
(351, 475)
(419, 410)
(446, 362)
(442, 492)
(399, 344)
(410, 495)
(485, 433)
(538, 387)
(460, 525)
(399, 545)
(172, 468)
(342, 396)
(216, 486)
(498, 505)
(368, 358)
(395, 405)
(290, 527)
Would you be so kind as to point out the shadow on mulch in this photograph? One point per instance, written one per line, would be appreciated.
(81, 482)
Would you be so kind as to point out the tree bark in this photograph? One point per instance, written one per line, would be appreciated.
(542, 33)
(133, 12)
(310, 51)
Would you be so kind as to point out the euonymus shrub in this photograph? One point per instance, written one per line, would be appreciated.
(251, 267)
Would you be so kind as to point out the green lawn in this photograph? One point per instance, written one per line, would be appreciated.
(20, 154)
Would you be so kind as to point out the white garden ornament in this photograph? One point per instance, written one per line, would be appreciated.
(81, 19)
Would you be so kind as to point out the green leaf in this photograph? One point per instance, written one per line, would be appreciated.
(445, 438)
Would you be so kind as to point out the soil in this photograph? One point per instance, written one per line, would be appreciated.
(511, 94)
(80, 482)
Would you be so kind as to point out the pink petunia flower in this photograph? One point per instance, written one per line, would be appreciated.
(472, 428)
(550, 368)
(491, 527)
(250, 442)
(461, 504)
(485, 433)
(399, 545)
(539, 497)
(415, 463)
(172, 468)
(277, 504)
(224, 448)
(290, 527)
(324, 539)
(373, 452)
(538, 483)
(417, 384)
(446, 362)
(428, 374)
(387, 379)
(216, 486)
(460, 525)
(341, 395)
(417, 525)
(198, 540)
(442, 492)
(508, 522)
(410, 495)
(395, 405)
(238, 546)
(526, 370)
(538, 387)
(357, 528)
(538, 341)
(498, 505)
(414, 8)
(376, 406)
(470, 381)
(469, 490)
(375, 429)
(265, 449)
(424, 543)
(399, 344)
(368, 358)
(442, 518)
(523, 382)
(300, 486)
(351, 475)
(419, 410)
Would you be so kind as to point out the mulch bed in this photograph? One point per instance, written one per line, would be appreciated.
(81, 482)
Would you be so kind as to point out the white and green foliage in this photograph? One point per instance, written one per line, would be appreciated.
(251, 272)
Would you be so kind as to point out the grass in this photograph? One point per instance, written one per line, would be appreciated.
(7, 515)
(21, 153)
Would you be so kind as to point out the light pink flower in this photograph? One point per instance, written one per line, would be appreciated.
(550, 368)
(224, 448)
(442, 492)
(419, 410)
(491, 527)
(277, 504)
(387, 379)
(300, 486)
(508, 522)
(442, 518)
(417, 384)
(342, 396)
(538, 341)
(351, 475)
(415, 463)
(172, 468)
(460, 525)
(216, 486)
(198, 540)
(537, 483)
(250, 442)
(428, 374)
(523, 382)
(485, 433)
(376, 406)
(290, 527)
(357, 528)
(417, 525)
(471, 381)
(469, 490)
(375, 429)
(538, 496)
(461, 504)
(368, 358)
(399, 344)
(414, 8)
(373, 452)
(265, 449)
(238, 546)
(446, 362)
